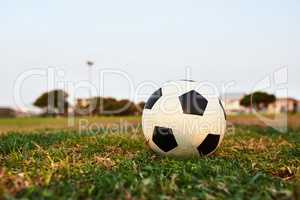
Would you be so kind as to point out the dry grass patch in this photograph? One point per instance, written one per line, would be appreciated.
(12, 183)
(257, 145)
(106, 162)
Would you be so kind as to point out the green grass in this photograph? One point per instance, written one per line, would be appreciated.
(252, 163)
(41, 124)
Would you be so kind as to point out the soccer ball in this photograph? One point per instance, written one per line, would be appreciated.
(184, 119)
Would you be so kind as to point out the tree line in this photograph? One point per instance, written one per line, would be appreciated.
(55, 103)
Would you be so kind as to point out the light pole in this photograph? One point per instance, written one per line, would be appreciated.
(90, 65)
(90, 77)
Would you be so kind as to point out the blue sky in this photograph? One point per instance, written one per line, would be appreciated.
(220, 41)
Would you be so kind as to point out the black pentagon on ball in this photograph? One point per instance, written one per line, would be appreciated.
(153, 99)
(209, 144)
(164, 138)
(193, 103)
(222, 109)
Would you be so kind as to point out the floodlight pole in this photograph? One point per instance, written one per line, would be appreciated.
(90, 77)
(90, 65)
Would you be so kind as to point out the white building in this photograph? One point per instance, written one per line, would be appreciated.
(282, 105)
(232, 103)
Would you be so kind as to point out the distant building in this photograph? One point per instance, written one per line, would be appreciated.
(282, 105)
(21, 113)
(81, 107)
(6, 112)
(82, 103)
(232, 103)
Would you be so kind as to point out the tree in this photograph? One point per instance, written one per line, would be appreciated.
(140, 107)
(257, 100)
(53, 102)
(109, 106)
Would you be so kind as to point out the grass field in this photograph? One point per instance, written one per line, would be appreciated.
(44, 159)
